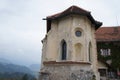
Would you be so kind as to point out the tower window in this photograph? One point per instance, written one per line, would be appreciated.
(64, 50)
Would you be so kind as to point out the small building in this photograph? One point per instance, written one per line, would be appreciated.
(108, 48)
(69, 47)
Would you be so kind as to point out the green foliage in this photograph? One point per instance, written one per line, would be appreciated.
(25, 77)
(16, 76)
(115, 53)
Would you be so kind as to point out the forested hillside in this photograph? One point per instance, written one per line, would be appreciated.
(9, 71)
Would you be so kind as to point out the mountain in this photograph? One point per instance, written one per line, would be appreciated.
(7, 66)
(4, 61)
(11, 68)
(35, 67)
(10, 71)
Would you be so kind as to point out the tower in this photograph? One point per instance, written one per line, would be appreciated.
(69, 47)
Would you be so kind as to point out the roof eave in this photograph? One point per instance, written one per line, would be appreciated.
(96, 23)
(63, 15)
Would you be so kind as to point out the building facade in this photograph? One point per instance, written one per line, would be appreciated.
(69, 48)
(108, 48)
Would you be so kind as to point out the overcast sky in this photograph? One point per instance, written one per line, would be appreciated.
(22, 27)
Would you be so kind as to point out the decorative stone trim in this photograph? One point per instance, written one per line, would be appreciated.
(65, 62)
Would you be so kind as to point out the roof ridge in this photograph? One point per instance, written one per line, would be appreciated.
(81, 8)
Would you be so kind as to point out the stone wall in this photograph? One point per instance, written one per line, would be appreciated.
(67, 72)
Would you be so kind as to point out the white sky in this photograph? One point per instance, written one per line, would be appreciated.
(22, 27)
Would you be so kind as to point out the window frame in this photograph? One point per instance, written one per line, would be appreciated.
(63, 50)
(78, 33)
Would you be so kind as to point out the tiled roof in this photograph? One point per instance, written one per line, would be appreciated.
(73, 10)
(108, 34)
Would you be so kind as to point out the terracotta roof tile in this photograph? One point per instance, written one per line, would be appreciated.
(108, 34)
(72, 9)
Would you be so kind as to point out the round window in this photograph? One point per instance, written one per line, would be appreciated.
(78, 33)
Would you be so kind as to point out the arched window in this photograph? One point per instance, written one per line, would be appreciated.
(63, 50)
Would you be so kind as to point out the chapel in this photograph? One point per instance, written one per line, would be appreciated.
(69, 47)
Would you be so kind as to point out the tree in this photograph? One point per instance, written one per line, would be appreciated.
(25, 77)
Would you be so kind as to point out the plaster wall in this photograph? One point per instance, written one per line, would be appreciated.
(64, 29)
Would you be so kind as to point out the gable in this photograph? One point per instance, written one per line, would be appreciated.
(72, 10)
